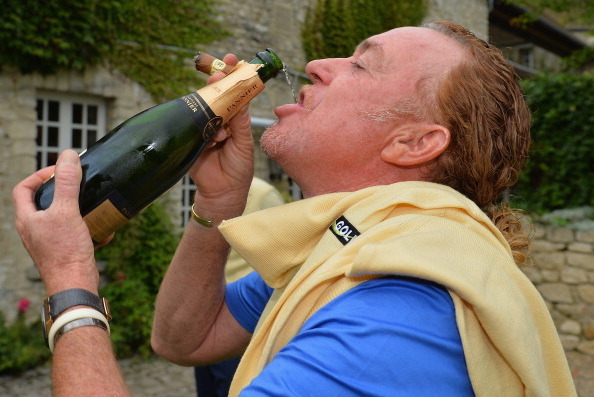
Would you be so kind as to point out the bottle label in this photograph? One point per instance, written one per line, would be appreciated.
(107, 217)
(228, 95)
(197, 109)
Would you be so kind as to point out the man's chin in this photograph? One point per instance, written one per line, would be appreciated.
(274, 142)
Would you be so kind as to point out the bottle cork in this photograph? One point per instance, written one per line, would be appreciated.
(209, 64)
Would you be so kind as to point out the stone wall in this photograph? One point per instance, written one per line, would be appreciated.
(564, 275)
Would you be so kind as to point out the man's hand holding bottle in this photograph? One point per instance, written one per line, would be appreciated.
(224, 172)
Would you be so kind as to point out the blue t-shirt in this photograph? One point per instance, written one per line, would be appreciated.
(392, 336)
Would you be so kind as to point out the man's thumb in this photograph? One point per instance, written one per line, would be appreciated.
(68, 174)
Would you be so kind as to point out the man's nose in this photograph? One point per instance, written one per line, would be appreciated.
(322, 70)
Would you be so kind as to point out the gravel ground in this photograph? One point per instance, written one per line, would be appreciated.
(147, 378)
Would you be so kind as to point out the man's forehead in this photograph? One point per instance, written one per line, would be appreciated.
(411, 42)
(397, 39)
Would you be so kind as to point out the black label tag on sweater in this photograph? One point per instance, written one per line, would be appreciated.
(344, 230)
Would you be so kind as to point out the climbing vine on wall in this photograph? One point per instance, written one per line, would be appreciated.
(559, 171)
(333, 28)
(567, 12)
(128, 34)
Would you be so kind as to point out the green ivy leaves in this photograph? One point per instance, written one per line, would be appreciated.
(74, 34)
(136, 261)
(560, 170)
(333, 28)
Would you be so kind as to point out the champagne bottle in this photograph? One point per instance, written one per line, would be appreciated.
(146, 155)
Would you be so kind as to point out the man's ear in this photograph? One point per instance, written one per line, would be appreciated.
(416, 144)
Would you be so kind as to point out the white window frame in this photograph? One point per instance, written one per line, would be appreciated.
(526, 55)
(187, 193)
(65, 125)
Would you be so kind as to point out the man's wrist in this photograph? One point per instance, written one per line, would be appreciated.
(202, 221)
(72, 279)
(59, 304)
(74, 319)
(216, 211)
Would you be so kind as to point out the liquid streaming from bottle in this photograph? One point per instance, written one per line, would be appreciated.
(289, 81)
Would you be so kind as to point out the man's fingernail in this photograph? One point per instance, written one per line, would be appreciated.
(68, 157)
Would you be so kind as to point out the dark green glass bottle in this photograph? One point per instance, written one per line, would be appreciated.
(146, 155)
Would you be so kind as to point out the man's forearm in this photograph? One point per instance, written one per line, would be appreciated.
(192, 293)
(84, 365)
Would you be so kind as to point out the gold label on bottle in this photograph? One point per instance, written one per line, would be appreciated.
(106, 218)
(228, 95)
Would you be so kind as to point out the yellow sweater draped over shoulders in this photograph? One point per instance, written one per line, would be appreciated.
(417, 229)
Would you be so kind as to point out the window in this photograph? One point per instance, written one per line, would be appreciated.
(67, 122)
(526, 55)
(188, 189)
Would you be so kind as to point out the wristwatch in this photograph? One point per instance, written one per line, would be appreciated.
(54, 305)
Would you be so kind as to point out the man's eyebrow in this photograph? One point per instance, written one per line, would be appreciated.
(372, 46)
(375, 53)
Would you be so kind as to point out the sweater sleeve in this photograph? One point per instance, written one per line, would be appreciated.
(385, 337)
